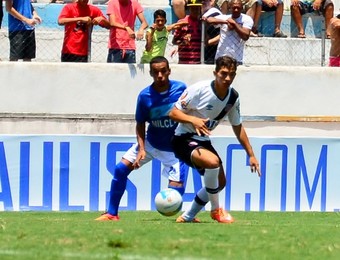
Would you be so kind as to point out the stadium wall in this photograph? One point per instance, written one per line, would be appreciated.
(64, 127)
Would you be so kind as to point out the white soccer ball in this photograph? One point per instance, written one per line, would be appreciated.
(168, 202)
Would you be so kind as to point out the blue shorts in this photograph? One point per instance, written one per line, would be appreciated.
(121, 56)
(307, 7)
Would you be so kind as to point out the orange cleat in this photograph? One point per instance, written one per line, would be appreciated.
(107, 217)
(222, 216)
(180, 219)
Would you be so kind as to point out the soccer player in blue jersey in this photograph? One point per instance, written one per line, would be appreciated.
(153, 106)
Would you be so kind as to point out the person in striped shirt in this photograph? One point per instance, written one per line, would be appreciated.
(188, 38)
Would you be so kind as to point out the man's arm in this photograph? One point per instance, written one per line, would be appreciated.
(143, 26)
(101, 21)
(243, 32)
(175, 26)
(148, 38)
(213, 20)
(198, 123)
(12, 11)
(140, 134)
(244, 141)
(66, 20)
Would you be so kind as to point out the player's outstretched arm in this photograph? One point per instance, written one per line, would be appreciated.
(242, 137)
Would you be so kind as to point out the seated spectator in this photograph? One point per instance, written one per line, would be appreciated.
(188, 38)
(157, 36)
(78, 19)
(254, 8)
(269, 6)
(301, 7)
(211, 33)
(334, 52)
(234, 31)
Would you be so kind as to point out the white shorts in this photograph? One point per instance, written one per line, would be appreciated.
(171, 165)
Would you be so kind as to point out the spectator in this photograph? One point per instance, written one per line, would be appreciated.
(188, 38)
(250, 7)
(334, 52)
(122, 16)
(301, 7)
(22, 18)
(152, 111)
(157, 36)
(235, 30)
(199, 111)
(78, 19)
(211, 33)
(270, 6)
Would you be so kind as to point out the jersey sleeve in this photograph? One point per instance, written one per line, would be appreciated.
(110, 8)
(234, 115)
(188, 100)
(248, 22)
(97, 13)
(137, 7)
(65, 12)
(141, 114)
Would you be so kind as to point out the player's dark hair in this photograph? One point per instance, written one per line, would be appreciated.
(225, 61)
(159, 59)
(160, 13)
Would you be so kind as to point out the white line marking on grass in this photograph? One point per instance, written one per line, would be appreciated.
(13, 252)
(8, 252)
(126, 257)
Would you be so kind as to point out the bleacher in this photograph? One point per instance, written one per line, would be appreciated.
(312, 51)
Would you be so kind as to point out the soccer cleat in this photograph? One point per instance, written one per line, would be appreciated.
(107, 217)
(221, 215)
(180, 219)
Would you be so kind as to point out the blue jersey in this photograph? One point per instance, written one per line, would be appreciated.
(154, 107)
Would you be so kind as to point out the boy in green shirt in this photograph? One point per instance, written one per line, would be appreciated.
(157, 36)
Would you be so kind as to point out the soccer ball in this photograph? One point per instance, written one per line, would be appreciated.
(168, 202)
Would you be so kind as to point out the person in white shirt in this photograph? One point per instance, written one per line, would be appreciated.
(235, 30)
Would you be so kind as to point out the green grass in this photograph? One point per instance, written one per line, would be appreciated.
(148, 235)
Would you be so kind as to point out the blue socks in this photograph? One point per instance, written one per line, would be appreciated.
(179, 189)
(118, 186)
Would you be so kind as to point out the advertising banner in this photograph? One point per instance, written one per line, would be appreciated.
(74, 172)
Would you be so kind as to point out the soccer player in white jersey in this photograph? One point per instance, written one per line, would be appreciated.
(153, 106)
(199, 110)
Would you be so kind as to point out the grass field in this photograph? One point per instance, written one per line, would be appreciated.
(148, 235)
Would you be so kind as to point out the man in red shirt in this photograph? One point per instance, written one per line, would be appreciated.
(78, 19)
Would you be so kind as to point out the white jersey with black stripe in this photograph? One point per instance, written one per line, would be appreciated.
(201, 101)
